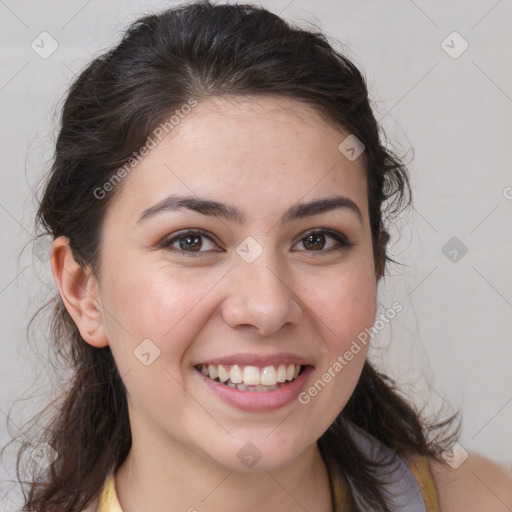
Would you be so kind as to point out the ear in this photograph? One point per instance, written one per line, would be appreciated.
(79, 291)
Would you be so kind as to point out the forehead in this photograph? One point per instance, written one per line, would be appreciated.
(261, 151)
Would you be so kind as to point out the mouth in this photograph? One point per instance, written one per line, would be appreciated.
(255, 379)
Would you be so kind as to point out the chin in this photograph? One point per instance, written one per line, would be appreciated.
(258, 453)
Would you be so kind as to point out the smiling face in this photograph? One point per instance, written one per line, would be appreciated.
(265, 283)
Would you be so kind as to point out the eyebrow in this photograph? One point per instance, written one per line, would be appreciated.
(232, 213)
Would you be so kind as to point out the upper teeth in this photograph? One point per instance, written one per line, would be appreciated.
(251, 375)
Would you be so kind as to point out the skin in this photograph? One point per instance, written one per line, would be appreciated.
(478, 484)
(261, 155)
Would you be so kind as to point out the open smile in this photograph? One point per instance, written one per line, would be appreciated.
(255, 388)
(252, 378)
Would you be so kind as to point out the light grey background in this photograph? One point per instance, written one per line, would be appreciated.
(452, 339)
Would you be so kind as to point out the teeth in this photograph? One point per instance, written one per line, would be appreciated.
(251, 378)
(281, 373)
(259, 388)
(212, 371)
(223, 373)
(235, 374)
(269, 376)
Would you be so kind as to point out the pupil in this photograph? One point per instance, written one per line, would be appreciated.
(313, 237)
(184, 246)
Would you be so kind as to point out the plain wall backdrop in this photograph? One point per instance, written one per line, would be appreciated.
(449, 103)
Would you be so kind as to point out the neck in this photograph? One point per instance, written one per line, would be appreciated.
(177, 479)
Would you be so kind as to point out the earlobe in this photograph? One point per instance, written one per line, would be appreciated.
(79, 291)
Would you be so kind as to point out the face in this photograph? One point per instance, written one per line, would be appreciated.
(258, 293)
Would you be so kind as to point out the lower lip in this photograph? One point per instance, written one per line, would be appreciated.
(258, 400)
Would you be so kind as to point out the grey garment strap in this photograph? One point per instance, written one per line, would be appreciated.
(403, 492)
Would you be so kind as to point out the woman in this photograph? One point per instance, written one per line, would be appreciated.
(217, 205)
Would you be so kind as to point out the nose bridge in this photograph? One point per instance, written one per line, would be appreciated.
(260, 293)
(265, 276)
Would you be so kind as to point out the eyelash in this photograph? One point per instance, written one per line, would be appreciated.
(341, 239)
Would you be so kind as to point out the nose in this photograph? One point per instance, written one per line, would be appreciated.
(261, 297)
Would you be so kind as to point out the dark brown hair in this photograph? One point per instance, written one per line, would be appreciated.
(199, 50)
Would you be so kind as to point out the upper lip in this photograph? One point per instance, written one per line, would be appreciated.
(258, 360)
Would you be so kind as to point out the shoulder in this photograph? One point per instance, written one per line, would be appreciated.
(477, 484)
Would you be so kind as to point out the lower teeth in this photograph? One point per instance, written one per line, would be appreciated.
(245, 387)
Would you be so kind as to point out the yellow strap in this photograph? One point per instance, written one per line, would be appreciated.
(340, 492)
(108, 497)
(420, 469)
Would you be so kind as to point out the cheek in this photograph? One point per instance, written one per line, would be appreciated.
(151, 325)
(156, 303)
(345, 303)
(345, 306)
(163, 304)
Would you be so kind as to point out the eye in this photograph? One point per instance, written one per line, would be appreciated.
(189, 241)
(314, 241)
